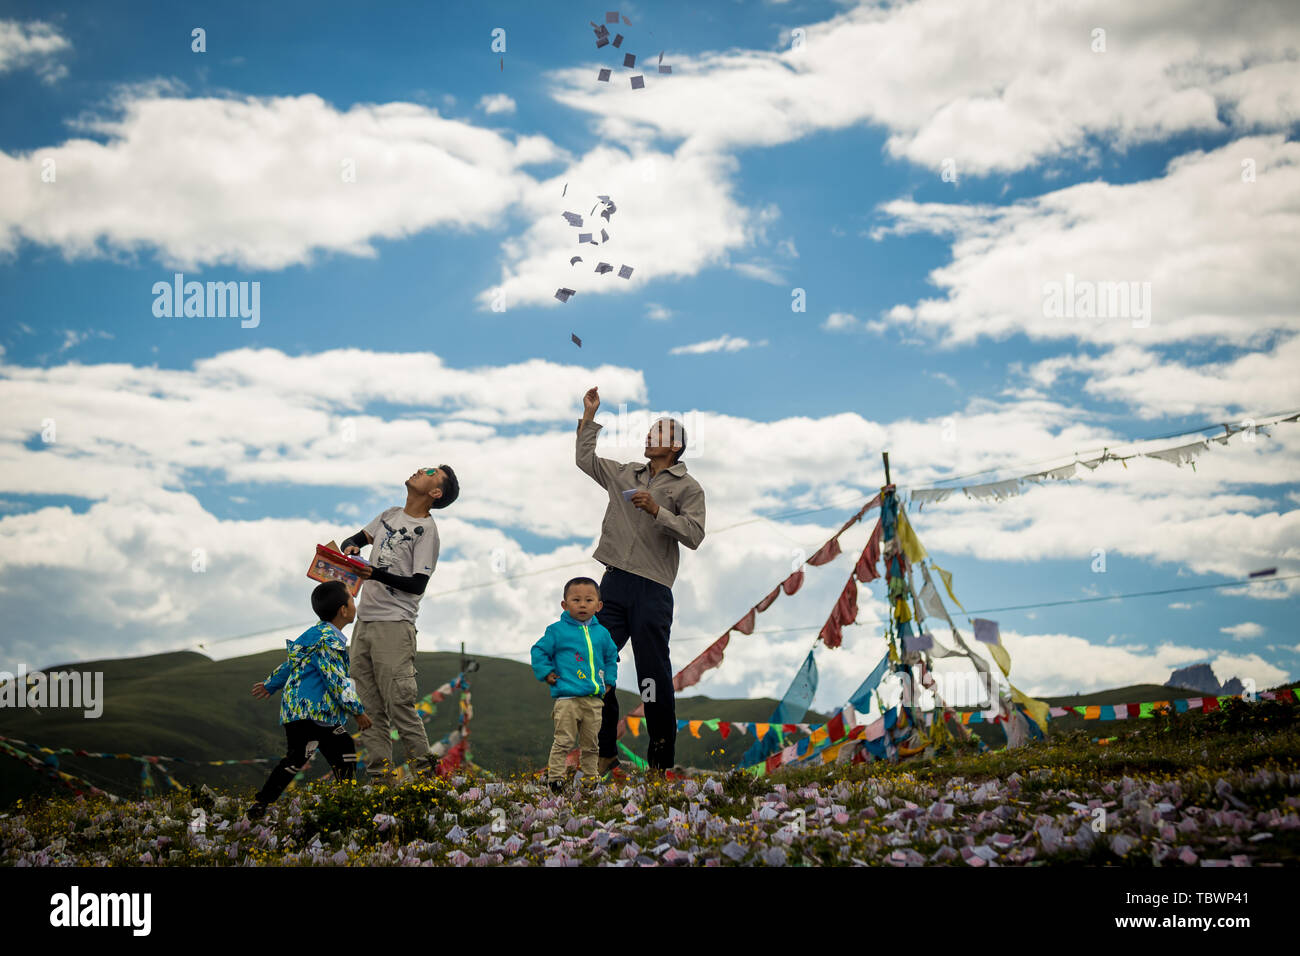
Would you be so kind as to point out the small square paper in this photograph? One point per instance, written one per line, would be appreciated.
(563, 294)
(665, 69)
(986, 631)
(572, 218)
(627, 21)
(575, 259)
(611, 16)
(603, 267)
(625, 272)
(627, 495)
(604, 236)
(603, 41)
(584, 237)
(576, 341)
(629, 60)
(603, 76)
(638, 82)
(618, 39)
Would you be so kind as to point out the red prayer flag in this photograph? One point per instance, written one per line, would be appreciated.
(766, 603)
(827, 552)
(774, 761)
(790, 728)
(711, 657)
(866, 569)
(835, 726)
(746, 624)
(724, 728)
(793, 583)
(1209, 704)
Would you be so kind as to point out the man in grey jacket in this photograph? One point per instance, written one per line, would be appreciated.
(653, 507)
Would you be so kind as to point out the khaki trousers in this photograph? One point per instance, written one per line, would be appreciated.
(383, 666)
(577, 722)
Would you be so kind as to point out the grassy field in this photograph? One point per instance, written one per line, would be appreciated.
(1217, 789)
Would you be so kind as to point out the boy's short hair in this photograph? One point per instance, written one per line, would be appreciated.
(577, 581)
(328, 599)
(679, 430)
(450, 487)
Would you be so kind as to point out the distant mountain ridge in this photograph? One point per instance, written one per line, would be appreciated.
(1201, 677)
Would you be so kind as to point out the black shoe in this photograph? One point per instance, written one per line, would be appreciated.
(256, 812)
(557, 786)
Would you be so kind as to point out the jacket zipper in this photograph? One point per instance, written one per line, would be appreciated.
(591, 658)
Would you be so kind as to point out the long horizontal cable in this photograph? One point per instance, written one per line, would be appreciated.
(1116, 597)
(1118, 443)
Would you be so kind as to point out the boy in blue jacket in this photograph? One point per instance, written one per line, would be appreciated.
(577, 657)
(318, 696)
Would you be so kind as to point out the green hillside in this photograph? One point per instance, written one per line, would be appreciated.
(186, 705)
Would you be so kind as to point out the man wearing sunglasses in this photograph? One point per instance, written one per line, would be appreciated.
(405, 551)
(654, 506)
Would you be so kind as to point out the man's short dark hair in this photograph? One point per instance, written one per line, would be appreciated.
(577, 581)
(679, 430)
(328, 599)
(450, 487)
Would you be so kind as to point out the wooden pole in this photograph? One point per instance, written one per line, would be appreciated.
(887, 481)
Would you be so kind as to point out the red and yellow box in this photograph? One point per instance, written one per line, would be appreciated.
(329, 564)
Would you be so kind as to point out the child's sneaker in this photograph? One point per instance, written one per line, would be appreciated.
(256, 812)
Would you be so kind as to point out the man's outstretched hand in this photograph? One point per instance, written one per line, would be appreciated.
(590, 402)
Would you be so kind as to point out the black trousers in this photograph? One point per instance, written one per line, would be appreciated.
(641, 610)
(305, 736)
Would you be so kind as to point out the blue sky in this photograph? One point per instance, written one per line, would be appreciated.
(756, 169)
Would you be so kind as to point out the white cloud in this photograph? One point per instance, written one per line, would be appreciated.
(496, 103)
(1215, 269)
(1035, 91)
(1184, 605)
(678, 222)
(762, 271)
(724, 343)
(34, 44)
(1061, 664)
(1243, 631)
(259, 183)
(657, 312)
(840, 322)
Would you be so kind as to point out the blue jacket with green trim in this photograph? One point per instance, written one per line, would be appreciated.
(583, 657)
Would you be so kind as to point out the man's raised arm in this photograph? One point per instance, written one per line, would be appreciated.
(601, 470)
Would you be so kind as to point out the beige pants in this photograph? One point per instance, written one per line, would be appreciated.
(577, 720)
(383, 666)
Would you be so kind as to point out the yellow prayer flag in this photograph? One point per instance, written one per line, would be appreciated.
(1002, 657)
(634, 725)
(1037, 709)
(695, 727)
(1092, 712)
(947, 583)
(760, 730)
(907, 539)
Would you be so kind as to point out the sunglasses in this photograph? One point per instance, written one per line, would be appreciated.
(427, 471)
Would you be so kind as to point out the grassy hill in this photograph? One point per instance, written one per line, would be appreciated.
(186, 705)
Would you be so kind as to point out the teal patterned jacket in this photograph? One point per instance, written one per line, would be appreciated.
(315, 678)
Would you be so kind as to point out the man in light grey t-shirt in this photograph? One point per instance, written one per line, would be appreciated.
(405, 552)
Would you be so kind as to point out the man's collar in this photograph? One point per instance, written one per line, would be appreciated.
(677, 469)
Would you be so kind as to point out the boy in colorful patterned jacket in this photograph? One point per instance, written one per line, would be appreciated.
(318, 696)
(577, 657)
